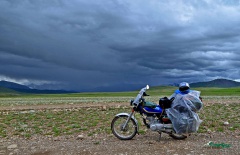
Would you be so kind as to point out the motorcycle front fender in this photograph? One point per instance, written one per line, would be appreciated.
(127, 114)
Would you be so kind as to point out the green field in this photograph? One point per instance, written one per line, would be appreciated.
(220, 105)
(153, 91)
(92, 121)
(107, 97)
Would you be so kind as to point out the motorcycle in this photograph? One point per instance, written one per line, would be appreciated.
(125, 126)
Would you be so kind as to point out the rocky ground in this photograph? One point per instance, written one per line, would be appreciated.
(107, 144)
(142, 144)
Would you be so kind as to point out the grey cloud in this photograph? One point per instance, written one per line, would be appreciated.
(86, 44)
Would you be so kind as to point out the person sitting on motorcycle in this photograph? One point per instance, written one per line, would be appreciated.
(184, 107)
(184, 88)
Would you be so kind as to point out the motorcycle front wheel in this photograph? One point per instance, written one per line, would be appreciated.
(126, 133)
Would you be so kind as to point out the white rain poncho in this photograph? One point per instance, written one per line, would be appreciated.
(183, 112)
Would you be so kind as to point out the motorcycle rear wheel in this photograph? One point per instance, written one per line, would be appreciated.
(117, 128)
(177, 136)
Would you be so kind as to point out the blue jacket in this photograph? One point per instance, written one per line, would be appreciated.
(182, 92)
(179, 92)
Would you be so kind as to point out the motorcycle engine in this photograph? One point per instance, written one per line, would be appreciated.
(155, 125)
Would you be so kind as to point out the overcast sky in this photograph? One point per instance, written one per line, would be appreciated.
(83, 44)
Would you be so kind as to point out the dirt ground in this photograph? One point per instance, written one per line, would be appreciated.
(148, 143)
(107, 144)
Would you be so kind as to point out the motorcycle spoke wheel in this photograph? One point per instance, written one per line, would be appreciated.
(126, 133)
(178, 136)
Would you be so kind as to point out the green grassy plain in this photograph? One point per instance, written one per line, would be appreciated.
(92, 121)
(153, 91)
(220, 105)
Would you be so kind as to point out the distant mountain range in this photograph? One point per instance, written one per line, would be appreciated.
(11, 87)
(6, 86)
(221, 83)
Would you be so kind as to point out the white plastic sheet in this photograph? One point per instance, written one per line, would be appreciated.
(183, 112)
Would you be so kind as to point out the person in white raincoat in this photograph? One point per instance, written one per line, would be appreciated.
(183, 110)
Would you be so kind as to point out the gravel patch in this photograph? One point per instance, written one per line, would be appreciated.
(148, 143)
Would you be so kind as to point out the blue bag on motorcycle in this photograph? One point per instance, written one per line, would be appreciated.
(183, 112)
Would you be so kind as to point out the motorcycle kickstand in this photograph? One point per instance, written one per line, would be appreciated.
(160, 136)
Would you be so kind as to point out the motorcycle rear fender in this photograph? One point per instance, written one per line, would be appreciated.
(127, 114)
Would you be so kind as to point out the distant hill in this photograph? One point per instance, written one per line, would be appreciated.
(12, 85)
(14, 88)
(221, 83)
(18, 88)
(4, 90)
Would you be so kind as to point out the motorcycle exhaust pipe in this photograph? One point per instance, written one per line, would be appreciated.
(160, 127)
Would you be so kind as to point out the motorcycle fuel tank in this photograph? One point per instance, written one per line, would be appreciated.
(156, 110)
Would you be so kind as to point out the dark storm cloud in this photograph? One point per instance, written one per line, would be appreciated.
(77, 44)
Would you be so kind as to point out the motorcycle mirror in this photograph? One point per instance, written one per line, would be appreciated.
(147, 86)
